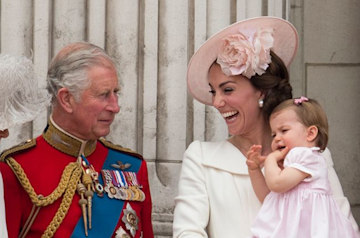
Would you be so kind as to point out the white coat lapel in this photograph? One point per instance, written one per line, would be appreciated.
(225, 156)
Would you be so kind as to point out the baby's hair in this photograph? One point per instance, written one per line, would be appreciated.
(310, 113)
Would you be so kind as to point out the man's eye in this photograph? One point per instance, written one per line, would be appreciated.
(104, 94)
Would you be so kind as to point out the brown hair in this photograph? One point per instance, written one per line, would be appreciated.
(274, 83)
(310, 113)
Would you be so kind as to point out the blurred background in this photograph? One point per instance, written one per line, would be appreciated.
(152, 42)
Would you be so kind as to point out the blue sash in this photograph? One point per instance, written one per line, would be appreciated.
(106, 211)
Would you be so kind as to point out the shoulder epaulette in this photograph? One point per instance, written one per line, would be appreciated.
(17, 148)
(113, 146)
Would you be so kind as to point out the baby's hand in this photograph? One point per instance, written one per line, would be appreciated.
(254, 158)
(279, 155)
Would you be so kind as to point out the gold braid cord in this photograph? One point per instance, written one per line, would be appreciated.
(65, 204)
(69, 179)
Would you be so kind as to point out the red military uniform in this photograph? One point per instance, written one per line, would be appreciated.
(53, 167)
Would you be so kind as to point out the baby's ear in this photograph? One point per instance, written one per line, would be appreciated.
(312, 132)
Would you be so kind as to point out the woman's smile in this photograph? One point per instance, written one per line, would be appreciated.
(230, 116)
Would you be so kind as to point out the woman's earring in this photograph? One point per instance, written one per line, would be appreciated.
(261, 103)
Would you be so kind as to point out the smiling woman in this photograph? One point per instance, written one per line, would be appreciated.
(244, 67)
(236, 99)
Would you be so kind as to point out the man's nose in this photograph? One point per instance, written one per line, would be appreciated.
(113, 105)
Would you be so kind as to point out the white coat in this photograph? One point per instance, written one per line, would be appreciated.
(215, 197)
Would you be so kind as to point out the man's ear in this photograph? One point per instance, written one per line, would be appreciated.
(312, 132)
(65, 99)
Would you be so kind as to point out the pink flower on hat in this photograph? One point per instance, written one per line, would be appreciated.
(246, 54)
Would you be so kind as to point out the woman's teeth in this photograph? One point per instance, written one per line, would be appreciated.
(228, 114)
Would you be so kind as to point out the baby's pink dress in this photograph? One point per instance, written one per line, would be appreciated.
(306, 211)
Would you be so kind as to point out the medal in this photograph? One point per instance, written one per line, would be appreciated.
(112, 190)
(122, 185)
(122, 194)
(126, 186)
(121, 233)
(135, 187)
(108, 186)
(130, 219)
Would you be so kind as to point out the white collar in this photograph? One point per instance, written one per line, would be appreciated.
(225, 156)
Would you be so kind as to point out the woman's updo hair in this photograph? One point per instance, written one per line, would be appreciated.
(274, 83)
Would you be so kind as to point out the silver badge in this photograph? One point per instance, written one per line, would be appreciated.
(130, 219)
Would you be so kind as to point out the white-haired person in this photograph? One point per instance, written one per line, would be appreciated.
(242, 72)
(20, 101)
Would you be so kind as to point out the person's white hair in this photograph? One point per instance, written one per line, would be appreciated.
(20, 97)
(69, 68)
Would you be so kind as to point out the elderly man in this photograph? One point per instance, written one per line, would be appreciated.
(70, 182)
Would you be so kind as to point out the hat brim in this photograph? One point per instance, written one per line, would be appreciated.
(285, 46)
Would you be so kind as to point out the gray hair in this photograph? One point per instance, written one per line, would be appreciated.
(69, 68)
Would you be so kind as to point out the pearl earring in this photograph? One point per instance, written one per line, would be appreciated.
(261, 103)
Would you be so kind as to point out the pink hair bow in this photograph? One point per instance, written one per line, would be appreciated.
(300, 100)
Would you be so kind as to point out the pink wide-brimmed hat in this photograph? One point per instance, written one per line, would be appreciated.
(285, 44)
